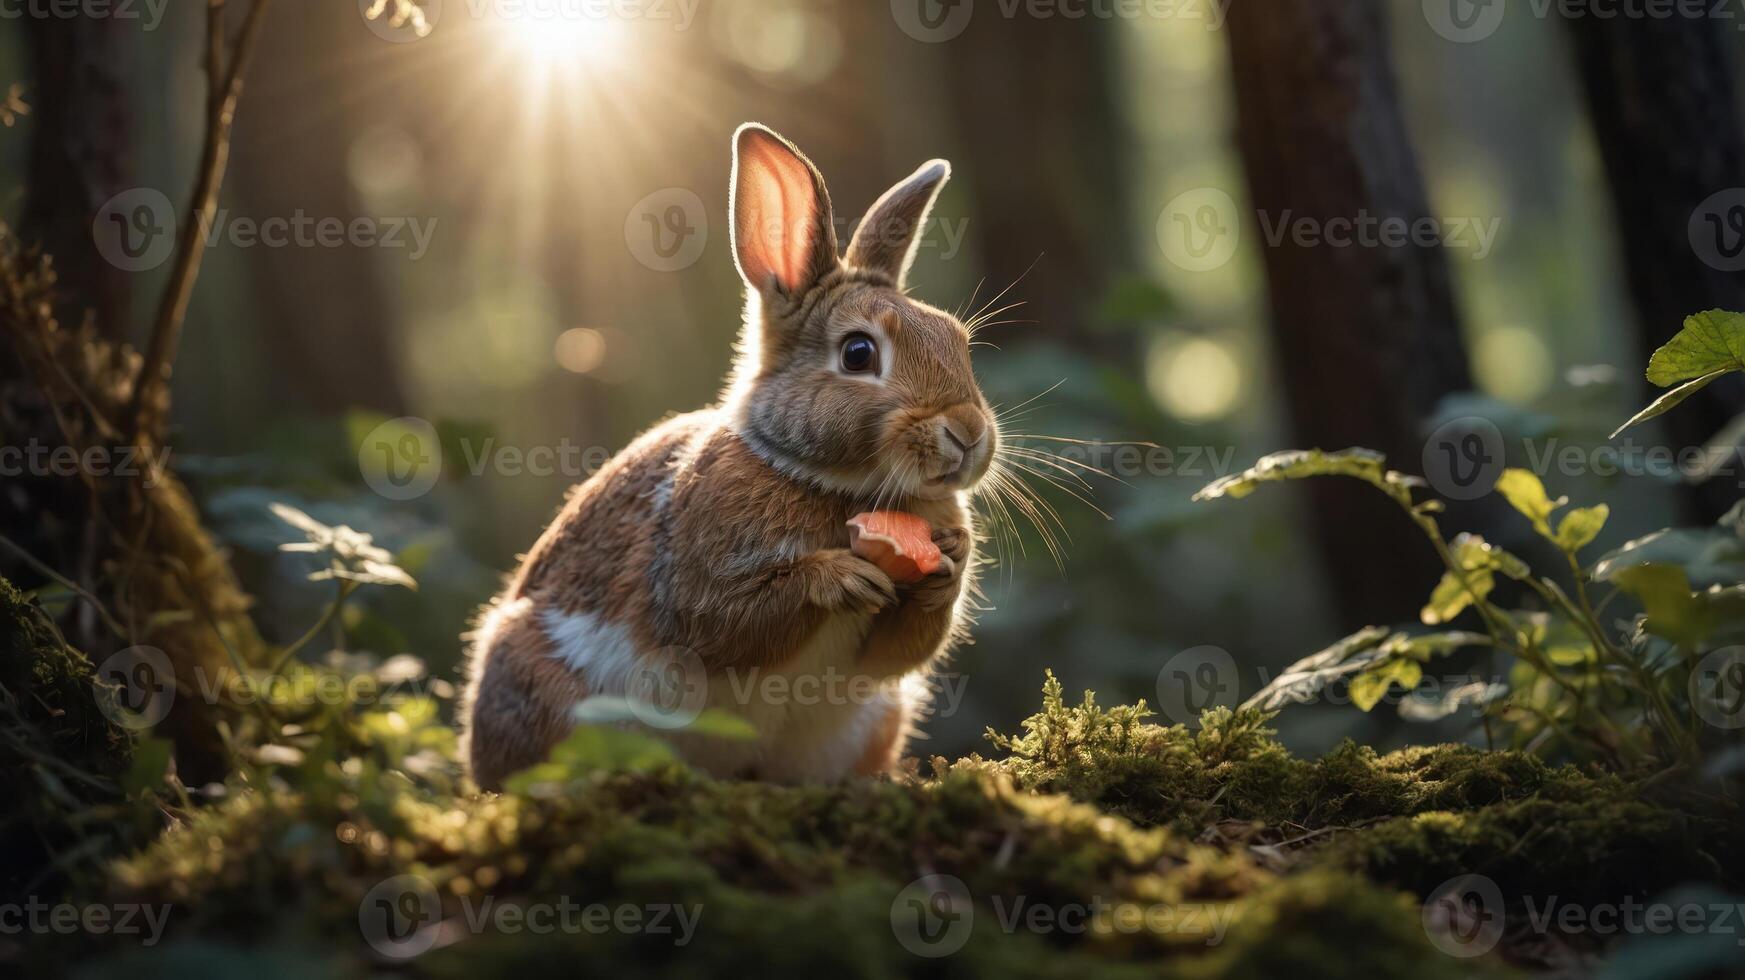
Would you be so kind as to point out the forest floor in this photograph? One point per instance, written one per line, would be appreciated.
(1092, 844)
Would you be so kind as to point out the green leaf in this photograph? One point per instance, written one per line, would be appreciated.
(1709, 556)
(590, 749)
(1368, 687)
(1295, 464)
(1665, 593)
(1666, 402)
(1710, 343)
(1451, 597)
(1526, 494)
(1427, 645)
(1474, 552)
(1580, 526)
(1301, 681)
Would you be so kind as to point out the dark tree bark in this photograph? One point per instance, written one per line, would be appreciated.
(81, 155)
(333, 347)
(1039, 136)
(1661, 97)
(1367, 337)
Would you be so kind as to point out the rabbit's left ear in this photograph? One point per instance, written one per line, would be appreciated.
(891, 230)
(784, 235)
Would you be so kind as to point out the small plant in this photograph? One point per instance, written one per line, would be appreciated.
(1576, 684)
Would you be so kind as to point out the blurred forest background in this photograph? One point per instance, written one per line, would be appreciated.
(543, 157)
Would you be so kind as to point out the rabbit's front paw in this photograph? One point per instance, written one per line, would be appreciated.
(844, 580)
(953, 543)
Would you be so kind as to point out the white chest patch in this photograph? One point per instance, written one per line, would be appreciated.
(814, 715)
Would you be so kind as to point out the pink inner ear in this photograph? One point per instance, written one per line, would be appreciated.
(777, 213)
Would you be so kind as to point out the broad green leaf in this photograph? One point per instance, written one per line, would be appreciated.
(1451, 597)
(1580, 526)
(1474, 552)
(1368, 687)
(606, 709)
(1427, 645)
(1526, 494)
(1666, 402)
(1710, 342)
(1665, 593)
(1709, 556)
(590, 749)
(1301, 681)
(1363, 464)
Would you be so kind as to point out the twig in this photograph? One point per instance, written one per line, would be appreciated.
(65, 583)
(223, 89)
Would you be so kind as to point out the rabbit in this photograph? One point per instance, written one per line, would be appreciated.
(710, 558)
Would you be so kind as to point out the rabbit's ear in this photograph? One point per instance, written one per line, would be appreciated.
(889, 234)
(784, 236)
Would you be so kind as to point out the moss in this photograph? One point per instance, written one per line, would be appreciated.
(59, 754)
(1208, 853)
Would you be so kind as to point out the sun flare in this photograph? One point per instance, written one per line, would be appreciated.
(556, 40)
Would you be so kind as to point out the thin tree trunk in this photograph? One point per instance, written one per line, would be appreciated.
(81, 155)
(1665, 112)
(1033, 102)
(1367, 337)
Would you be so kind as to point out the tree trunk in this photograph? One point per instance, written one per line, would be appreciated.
(1367, 336)
(81, 155)
(1665, 112)
(1040, 143)
(335, 347)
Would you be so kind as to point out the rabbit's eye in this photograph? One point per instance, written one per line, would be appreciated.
(860, 354)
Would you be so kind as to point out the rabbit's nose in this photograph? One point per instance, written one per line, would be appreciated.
(959, 439)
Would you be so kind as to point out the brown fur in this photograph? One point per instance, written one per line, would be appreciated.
(724, 531)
